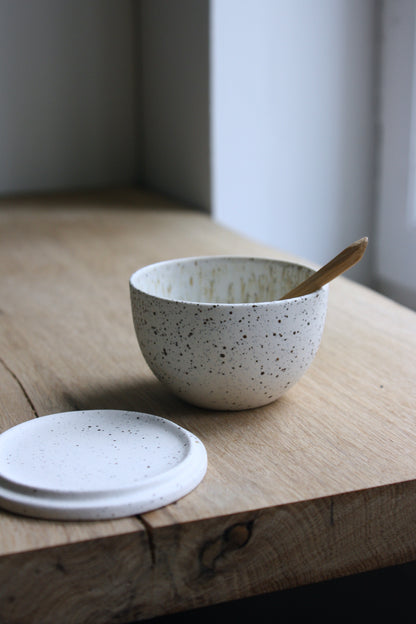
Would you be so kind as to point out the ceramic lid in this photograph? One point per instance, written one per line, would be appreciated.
(96, 464)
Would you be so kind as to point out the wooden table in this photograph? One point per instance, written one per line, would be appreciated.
(318, 485)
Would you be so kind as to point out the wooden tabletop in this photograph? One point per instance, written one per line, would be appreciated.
(317, 485)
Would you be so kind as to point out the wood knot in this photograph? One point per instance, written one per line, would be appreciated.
(238, 535)
(233, 538)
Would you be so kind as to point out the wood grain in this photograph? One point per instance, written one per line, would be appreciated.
(319, 484)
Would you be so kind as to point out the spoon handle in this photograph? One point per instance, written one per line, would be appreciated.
(343, 261)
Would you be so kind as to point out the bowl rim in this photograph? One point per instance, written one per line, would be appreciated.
(210, 304)
(205, 304)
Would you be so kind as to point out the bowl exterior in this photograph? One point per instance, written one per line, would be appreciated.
(229, 356)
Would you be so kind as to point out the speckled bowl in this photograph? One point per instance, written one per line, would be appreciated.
(212, 329)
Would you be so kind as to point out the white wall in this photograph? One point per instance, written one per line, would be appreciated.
(68, 105)
(175, 101)
(293, 122)
(260, 110)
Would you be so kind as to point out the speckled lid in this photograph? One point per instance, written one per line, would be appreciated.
(97, 464)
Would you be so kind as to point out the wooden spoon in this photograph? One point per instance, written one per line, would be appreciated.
(343, 261)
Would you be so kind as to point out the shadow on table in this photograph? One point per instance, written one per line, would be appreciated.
(143, 396)
(148, 396)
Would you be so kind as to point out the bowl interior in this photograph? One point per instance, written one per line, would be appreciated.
(222, 279)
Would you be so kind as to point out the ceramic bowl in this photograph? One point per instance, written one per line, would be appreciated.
(213, 330)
